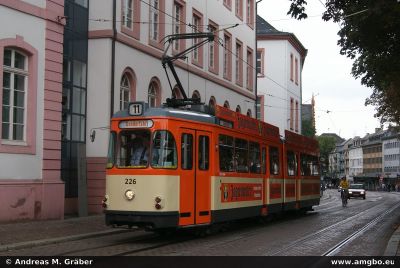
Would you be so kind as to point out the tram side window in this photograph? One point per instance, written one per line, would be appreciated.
(134, 149)
(204, 152)
(305, 165)
(225, 144)
(111, 150)
(264, 161)
(242, 155)
(291, 163)
(315, 165)
(254, 154)
(164, 154)
(187, 151)
(274, 160)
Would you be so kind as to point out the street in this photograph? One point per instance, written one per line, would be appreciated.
(361, 229)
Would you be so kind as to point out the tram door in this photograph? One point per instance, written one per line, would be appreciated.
(195, 177)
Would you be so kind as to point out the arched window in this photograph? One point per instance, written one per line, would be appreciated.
(211, 104)
(154, 93)
(249, 113)
(127, 88)
(238, 109)
(125, 92)
(226, 104)
(196, 95)
(176, 94)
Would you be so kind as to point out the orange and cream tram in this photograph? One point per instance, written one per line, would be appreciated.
(196, 168)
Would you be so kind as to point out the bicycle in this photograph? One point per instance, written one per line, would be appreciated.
(343, 193)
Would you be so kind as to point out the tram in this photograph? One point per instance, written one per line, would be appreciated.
(198, 167)
(186, 165)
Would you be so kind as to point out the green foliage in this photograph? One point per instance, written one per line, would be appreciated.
(307, 128)
(369, 35)
(326, 145)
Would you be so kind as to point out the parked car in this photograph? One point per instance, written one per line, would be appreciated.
(357, 190)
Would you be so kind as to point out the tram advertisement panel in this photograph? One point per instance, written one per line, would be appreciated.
(234, 192)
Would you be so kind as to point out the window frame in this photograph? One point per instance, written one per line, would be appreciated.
(213, 50)
(157, 43)
(28, 146)
(133, 31)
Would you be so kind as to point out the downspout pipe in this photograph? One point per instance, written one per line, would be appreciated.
(114, 37)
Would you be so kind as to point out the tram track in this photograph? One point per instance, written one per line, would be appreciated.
(335, 249)
(320, 235)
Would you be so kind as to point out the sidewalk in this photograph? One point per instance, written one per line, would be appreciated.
(35, 233)
(25, 234)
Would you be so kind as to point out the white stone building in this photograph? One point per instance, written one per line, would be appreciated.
(280, 60)
(355, 158)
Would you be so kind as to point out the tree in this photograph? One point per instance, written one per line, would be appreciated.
(307, 128)
(326, 145)
(369, 35)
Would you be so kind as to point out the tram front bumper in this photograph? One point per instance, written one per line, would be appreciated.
(151, 220)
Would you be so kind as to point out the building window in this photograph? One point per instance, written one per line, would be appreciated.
(154, 93)
(227, 56)
(15, 82)
(226, 104)
(197, 26)
(213, 54)
(297, 117)
(238, 109)
(156, 23)
(296, 72)
(196, 95)
(250, 13)
(154, 20)
(249, 114)
(260, 61)
(228, 4)
(130, 18)
(178, 23)
(127, 15)
(239, 9)
(125, 93)
(291, 67)
(291, 113)
(211, 104)
(260, 108)
(249, 72)
(239, 63)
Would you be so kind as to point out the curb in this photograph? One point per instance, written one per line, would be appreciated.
(393, 244)
(43, 242)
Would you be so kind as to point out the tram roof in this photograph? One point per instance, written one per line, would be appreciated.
(221, 116)
(171, 112)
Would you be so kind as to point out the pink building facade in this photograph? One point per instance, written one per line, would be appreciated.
(30, 146)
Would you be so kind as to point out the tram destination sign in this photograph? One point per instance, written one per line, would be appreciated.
(136, 124)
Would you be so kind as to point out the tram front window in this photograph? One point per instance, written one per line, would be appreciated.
(134, 149)
(164, 153)
(111, 150)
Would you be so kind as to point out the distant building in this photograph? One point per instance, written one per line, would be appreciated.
(355, 158)
(391, 158)
(280, 61)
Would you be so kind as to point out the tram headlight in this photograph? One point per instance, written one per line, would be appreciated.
(350, 192)
(158, 204)
(104, 202)
(129, 194)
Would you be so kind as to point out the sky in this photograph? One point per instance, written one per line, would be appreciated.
(338, 95)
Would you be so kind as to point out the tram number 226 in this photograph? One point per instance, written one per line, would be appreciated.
(130, 181)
